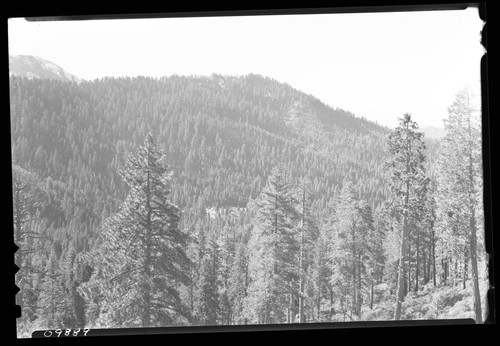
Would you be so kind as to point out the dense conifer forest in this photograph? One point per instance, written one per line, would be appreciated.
(225, 200)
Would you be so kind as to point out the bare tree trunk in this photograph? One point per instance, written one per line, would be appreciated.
(409, 265)
(430, 271)
(451, 271)
(331, 304)
(402, 257)
(371, 295)
(191, 292)
(425, 273)
(301, 261)
(319, 304)
(359, 298)
(433, 258)
(473, 235)
(402, 254)
(446, 270)
(475, 272)
(455, 273)
(466, 265)
(417, 268)
(289, 316)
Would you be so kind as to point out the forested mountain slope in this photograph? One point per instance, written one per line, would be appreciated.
(278, 208)
(221, 135)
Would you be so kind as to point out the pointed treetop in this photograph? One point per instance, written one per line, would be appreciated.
(149, 139)
(406, 122)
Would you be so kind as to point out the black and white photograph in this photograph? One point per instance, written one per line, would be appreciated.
(259, 169)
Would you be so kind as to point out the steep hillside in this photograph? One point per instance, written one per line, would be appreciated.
(35, 67)
(271, 214)
(222, 136)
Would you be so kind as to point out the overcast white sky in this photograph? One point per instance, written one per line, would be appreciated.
(377, 65)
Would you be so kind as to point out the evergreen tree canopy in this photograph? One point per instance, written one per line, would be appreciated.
(460, 186)
(408, 186)
(140, 262)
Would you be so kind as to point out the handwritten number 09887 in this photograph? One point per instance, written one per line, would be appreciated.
(67, 332)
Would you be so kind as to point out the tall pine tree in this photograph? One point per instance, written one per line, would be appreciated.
(460, 182)
(141, 264)
(308, 234)
(273, 252)
(408, 179)
(348, 249)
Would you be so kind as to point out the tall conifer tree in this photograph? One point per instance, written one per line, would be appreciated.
(273, 252)
(408, 180)
(460, 181)
(141, 263)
